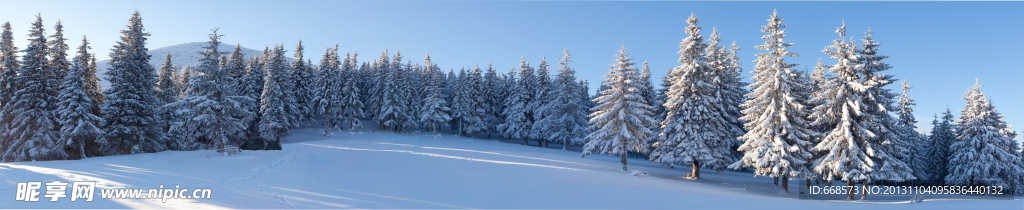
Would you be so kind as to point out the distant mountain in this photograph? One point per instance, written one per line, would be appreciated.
(181, 55)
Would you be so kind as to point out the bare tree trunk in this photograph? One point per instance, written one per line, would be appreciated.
(785, 183)
(624, 168)
(526, 141)
(849, 190)
(807, 185)
(776, 182)
(864, 191)
(696, 170)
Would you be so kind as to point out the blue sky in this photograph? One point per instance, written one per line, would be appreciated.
(939, 47)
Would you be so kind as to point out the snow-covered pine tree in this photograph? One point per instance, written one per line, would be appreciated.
(33, 126)
(79, 126)
(541, 98)
(881, 101)
(350, 99)
(475, 103)
(584, 89)
(252, 86)
(213, 113)
(518, 110)
(648, 92)
(434, 112)
(59, 63)
(301, 75)
(621, 120)
(490, 91)
(460, 110)
(410, 86)
(451, 86)
(165, 83)
(381, 70)
(326, 100)
(730, 88)
(130, 122)
(779, 137)
(565, 117)
(982, 154)
(854, 148)
(184, 77)
(274, 122)
(907, 125)
(393, 110)
(235, 65)
(9, 66)
(694, 131)
(92, 84)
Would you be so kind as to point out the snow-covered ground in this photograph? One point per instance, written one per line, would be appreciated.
(391, 170)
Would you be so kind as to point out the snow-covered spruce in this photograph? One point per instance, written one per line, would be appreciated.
(9, 66)
(352, 106)
(434, 112)
(730, 89)
(59, 63)
(694, 131)
(301, 77)
(518, 111)
(493, 100)
(129, 111)
(79, 126)
(274, 123)
(213, 114)
(937, 156)
(542, 97)
(918, 144)
(983, 153)
(779, 135)
(621, 120)
(857, 148)
(565, 117)
(327, 99)
(32, 133)
(393, 110)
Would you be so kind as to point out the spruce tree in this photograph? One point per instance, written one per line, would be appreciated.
(694, 131)
(518, 110)
(983, 153)
(301, 75)
(541, 99)
(59, 63)
(33, 127)
(434, 112)
(274, 120)
(393, 110)
(235, 65)
(79, 126)
(907, 125)
(213, 113)
(855, 147)
(492, 90)
(730, 88)
(326, 100)
(9, 66)
(350, 98)
(165, 82)
(621, 120)
(779, 137)
(565, 116)
(129, 111)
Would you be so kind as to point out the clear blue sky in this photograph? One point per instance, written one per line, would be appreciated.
(939, 47)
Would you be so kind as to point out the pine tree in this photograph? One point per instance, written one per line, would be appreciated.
(326, 100)
(274, 122)
(165, 83)
(880, 102)
(252, 85)
(434, 112)
(983, 153)
(213, 113)
(565, 117)
(855, 148)
(301, 75)
(907, 125)
(381, 70)
(350, 98)
(541, 99)
(694, 131)
(79, 126)
(779, 137)
(518, 109)
(59, 64)
(32, 133)
(492, 90)
(393, 110)
(130, 121)
(621, 120)
(730, 88)
(235, 65)
(409, 87)
(9, 66)
(648, 92)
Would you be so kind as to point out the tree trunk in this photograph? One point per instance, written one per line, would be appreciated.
(696, 170)
(565, 145)
(624, 168)
(776, 182)
(807, 185)
(864, 191)
(849, 190)
(785, 183)
(526, 141)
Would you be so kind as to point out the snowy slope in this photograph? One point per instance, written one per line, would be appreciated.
(388, 170)
(181, 55)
